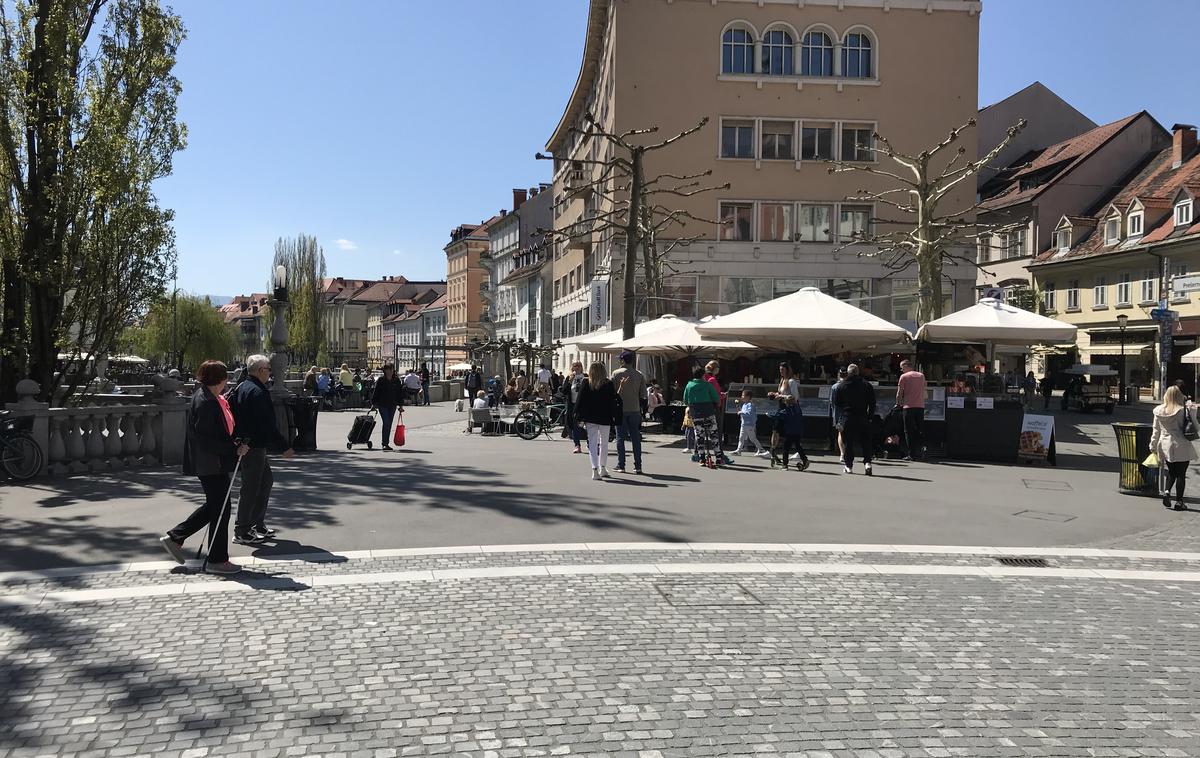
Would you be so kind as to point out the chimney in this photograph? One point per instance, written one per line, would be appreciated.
(1183, 145)
(519, 197)
(503, 213)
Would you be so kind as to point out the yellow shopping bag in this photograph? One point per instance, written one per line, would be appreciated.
(1151, 460)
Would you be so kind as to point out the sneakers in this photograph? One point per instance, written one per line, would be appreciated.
(1166, 504)
(386, 447)
(763, 453)
(688, 450)
(265, 531)
(619, 469)
(596, 475)
(736, 452)
(576, 451)
(175, 549)
(728, 461)
(1180, 506)
(868, 469)
(224, 568)
(604, 472)
(637, 471)
(846, 469)
(261, 534)
(249, 538)
(804, 466)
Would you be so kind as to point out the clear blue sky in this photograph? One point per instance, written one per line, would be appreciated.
(384, 123)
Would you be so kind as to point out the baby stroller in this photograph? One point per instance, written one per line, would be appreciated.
(892, 441)
(707, 442)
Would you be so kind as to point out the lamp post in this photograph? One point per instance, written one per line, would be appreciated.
(1122, 322)
(279, 332)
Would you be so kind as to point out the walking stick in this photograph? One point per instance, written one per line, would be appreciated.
(212, 525)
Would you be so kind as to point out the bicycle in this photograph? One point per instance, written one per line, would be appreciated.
(530, 423)
(20, 454)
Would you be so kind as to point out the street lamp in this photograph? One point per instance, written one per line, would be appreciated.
(1122, 322)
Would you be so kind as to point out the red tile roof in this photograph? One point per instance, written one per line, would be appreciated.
(1157, 180)
(1064, 156)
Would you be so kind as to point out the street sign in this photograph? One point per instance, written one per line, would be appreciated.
(1184, 284)
(1162, 314)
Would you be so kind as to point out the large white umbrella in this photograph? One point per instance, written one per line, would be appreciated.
(600, 342)
(681, 339)
(808, 322)
(995, 323)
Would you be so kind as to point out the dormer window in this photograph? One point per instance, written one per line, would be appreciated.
(1062, 239)
(1135, 224)
(1112, 230)
(1183, 213)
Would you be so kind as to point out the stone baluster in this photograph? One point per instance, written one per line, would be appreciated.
(95, 443)
(129, 439)
(112, 439)
(76, 451)
(149, 442)
(57, 449)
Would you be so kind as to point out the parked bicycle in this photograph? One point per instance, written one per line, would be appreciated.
(20, 454)
(543, 418)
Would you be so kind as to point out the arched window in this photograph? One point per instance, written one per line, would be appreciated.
(778, 53)
(856, 56)
(737, 52)
(816, 55)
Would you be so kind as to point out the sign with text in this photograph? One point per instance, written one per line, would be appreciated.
(1036, 433)
(956, 401)
(1185, 284)
(599, 304)
(983, 404)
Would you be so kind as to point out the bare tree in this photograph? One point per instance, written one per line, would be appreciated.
(925, 234)
(633, 208)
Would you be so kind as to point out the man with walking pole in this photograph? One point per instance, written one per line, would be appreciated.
(255, 416)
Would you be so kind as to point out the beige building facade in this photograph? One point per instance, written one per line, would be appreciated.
(466, 287)
(785, 87)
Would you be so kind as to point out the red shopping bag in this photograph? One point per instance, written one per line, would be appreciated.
(398, 437)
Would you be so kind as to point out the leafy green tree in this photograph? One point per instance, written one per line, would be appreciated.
(88, 121)
(200, 333)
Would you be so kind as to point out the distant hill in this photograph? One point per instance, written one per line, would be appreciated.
(219, 299)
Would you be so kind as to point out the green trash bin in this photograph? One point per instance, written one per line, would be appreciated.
(1133, 446)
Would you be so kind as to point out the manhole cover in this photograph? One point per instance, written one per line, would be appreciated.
(1025, 562)
(693, 594)
(1062, 518)
(1046, 484)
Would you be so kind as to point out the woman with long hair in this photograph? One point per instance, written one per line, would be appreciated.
(598, 409)
(1169, 442)
(210, 453)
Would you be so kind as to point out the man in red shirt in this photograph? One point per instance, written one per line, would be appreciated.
(910, 395)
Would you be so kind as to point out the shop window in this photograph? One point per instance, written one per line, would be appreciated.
(740, 293)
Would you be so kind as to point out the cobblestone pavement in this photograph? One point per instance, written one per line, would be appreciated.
(711, 663)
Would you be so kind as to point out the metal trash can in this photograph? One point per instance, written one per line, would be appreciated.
(304, 417)
(1132, 392)
(1133, 445)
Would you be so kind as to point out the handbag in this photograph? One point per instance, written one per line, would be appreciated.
(1190, 432)
(398, 437)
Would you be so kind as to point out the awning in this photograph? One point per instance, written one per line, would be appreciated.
(1130, 348)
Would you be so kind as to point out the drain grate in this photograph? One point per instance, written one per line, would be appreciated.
(1023, 562)
(1062, 518)
(694, 594)
(1047, 484)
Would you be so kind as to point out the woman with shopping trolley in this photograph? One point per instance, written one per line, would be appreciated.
(211, 454)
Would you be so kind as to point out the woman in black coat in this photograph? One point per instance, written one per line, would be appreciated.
(387, 396)
(598, 408)
(210, 453)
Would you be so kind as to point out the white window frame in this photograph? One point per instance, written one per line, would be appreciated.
(1051, 297)
(857, 126)
(1179, 269)
(1062, 238)
(818, 124)
(831, 207)
(1014, 244)
(1072, 295)
(739, 122)
(1125, 290)
(753, 219)
(1140, 218)
(1100, 293)
(762, 136)
(1149, 289)
(836, 223)
(1183, 213)
(1112, 230)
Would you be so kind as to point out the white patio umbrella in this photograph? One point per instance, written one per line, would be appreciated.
(995, 323)
(808, 322)
(1194, 359)
(601, 342)
(680, 340)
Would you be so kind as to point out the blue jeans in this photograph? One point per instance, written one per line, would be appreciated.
(386, 415)
(425, 392)
(631, 427)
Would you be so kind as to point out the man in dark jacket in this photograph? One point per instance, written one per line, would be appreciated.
(571, 388)
(474, 383)
(854, 405)
(254, 414)
(387, 397)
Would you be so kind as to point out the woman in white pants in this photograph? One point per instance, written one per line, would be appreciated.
(597, 409)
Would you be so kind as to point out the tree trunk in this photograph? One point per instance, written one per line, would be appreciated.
(629, 312)
(12, 327)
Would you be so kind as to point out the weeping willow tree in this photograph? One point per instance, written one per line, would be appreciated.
(88, 122)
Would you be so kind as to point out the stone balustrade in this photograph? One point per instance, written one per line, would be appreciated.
(105, 437)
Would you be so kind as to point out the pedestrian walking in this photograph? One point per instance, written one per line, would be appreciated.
(631, 387)
(310, 382)
(711, 369)
(254, 417)
(473, 382)
(571, 389)
(423, 373)
(702, 403)
(1174, 429)
(910, 396)
(789, 385)
(854, 399)
(1047, 391)
(748, 434)
(387, 397)
(210, 453)
(789, 425)
(598, 408)
(1029, 388)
